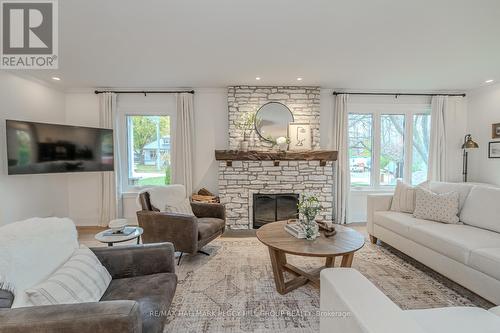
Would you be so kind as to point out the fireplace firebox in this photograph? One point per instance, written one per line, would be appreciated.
(269, 208)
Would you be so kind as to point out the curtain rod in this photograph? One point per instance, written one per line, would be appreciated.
(143, 92)
(335, 93)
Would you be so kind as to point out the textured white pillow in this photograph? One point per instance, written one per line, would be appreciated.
(183, 207)
(81, 279)
(404, 198)
(160, 195)
(482, 208)
(31, 250)
(462, 189)
(171, 199)
(442, 207)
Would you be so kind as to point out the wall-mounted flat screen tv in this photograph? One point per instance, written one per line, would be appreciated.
(50, 148)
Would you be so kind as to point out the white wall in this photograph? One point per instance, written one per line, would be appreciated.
(483, 111)
(24, 196)
(211, 133)
(457, 117)
(82, 109)
(211, 128)
(326, 118)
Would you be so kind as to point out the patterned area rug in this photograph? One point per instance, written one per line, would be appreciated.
(233, 289)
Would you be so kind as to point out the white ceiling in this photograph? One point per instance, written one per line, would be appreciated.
(355, 44)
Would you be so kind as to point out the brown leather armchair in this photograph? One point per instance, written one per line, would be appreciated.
(137, 299)
(188, 233)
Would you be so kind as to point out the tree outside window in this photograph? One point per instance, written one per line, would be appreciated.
(149, 149)
(392, 158)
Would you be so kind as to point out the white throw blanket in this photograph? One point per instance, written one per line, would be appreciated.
(32, 249)
(161, 196)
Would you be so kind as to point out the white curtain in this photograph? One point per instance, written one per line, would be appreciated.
(182, 150)
(437, 168)
(340, 137)
(109, 202)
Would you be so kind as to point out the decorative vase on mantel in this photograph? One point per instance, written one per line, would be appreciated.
(282, 143)
(246, 124)
(244, 145)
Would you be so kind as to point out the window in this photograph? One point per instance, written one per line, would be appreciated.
(360, 148)
(148, 150)
(392, 148)
(421, 137)
(388, 144)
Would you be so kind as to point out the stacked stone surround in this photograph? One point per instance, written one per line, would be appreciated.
(238, 183)
(303, 102)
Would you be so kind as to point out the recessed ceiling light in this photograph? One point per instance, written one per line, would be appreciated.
(299, 79)
(489, 81)
(56, 78)
(258, 78)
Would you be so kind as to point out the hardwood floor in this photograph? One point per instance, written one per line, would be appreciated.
(86, 234)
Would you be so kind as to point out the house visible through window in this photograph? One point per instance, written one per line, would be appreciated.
(149, 150)
(360, 148)
(386, 145)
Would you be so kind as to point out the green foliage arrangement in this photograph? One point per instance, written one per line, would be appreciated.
(247, 122)
(309, 206)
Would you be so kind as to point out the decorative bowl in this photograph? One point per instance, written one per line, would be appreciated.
(118, 225)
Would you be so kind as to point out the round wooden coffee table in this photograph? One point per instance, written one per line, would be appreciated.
(343, 244)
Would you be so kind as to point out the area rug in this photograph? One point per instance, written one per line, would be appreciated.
(233, 290)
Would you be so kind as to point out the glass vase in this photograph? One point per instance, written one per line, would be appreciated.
(311, 229)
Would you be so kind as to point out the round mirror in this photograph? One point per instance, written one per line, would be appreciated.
(272, 121)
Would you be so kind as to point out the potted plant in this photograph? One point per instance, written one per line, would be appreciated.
(309, 206)
(246, 123)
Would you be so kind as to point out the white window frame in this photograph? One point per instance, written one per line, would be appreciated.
(376, 110)
(146, 110)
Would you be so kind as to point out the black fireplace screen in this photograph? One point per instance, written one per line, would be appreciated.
(273, 207)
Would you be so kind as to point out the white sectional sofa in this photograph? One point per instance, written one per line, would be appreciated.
(352, 304)
(467, 253)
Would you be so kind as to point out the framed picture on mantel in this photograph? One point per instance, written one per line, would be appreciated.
(300, 136)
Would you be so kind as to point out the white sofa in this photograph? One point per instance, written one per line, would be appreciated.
(350, 303)
(467, 253)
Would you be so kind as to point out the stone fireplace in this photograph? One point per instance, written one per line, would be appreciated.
(241, 175)
(244, 176)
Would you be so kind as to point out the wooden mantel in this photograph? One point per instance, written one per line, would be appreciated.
(276, 156)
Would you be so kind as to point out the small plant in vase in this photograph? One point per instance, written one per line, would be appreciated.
(246, 123)
(309, 206)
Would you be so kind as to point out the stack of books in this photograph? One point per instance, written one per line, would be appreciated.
(125, 232)
(295, 229)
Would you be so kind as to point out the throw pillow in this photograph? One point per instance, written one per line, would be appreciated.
(442, 207)
(482, 209)
(462, 189)
(404, 198)
(81, 279)
(182, 207)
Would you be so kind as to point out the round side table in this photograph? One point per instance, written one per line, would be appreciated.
(112, 239)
